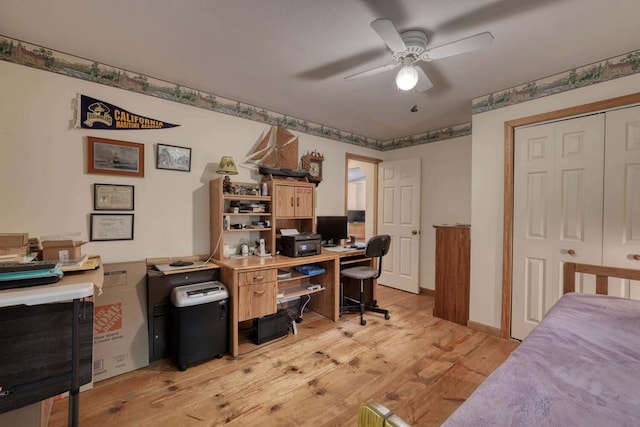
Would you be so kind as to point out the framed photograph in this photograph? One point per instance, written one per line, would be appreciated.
(173, 158)
(111, 157)
(105, 227)
(109, 197)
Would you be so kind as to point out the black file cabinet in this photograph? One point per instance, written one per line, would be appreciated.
(159, 307)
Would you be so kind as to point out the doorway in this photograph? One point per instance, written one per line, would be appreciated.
(361, 196)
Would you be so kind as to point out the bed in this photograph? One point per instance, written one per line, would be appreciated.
(579, 367)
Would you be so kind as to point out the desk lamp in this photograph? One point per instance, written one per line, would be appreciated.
(227, 167)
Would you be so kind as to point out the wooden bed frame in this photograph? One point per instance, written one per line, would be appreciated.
(602, 274)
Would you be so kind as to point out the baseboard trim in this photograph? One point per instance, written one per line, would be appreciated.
(428, 292)
(480, 327)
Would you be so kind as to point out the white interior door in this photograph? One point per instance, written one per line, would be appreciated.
(621, 238)
(399, 217)
(558, 193)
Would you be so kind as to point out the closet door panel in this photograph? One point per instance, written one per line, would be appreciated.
(533, 228)
(579, 186)
(579, 194)
(558, 182)
(621, 237)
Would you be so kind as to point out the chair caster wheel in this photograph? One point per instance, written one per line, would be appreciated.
(363, 322)
(387, 317)
(182, 368)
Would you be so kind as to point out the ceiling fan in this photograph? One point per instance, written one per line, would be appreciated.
(410, 47)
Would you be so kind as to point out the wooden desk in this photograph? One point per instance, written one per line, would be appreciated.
(254, 287)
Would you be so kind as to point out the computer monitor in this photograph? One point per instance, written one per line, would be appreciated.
(332, 229)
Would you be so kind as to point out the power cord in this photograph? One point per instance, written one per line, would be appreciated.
(299, 318)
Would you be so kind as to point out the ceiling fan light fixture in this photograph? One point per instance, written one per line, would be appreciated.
(407, 77)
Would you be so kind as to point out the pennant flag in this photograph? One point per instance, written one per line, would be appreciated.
(96, 114)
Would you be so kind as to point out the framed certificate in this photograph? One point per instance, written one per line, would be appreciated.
(106, 227)
(109, 197)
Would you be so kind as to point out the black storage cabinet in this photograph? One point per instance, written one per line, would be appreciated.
(200, 329)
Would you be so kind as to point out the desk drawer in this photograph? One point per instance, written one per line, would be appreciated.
(256, 277)
(256, 300)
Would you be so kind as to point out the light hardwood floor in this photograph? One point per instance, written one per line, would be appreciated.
(419, 366)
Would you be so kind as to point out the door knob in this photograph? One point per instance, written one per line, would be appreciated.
(571, 252)
(636, 257)
(414, 232)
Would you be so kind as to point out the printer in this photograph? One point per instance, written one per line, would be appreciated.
(302, 244)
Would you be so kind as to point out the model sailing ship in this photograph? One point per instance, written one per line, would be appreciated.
(276, 153)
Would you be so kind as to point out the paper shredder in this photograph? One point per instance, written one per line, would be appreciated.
(200, 322)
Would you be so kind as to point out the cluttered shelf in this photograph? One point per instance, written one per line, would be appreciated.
(246, 198)
(244, 230)
(248, 214)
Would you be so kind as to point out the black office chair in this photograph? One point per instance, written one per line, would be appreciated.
(377, 246)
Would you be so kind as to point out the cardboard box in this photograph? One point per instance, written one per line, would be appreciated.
(36, 414)
(16, 253)
(13, 240)
(15, 244)
(120, 336)
(61, 249)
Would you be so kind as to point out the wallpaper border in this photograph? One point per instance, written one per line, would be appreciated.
(597, 72)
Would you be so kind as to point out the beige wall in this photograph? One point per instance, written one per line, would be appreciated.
(446, 192)
(44, 189)
(488, 187)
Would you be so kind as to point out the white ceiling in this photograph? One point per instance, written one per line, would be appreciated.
(291, 56)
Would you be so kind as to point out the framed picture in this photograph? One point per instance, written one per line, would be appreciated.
(109, 197)
(104, 227)
(111, 157)
(173, 158)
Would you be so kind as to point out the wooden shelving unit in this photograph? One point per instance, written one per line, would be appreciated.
(221, 206)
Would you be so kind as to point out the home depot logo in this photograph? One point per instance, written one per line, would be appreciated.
(107, 318)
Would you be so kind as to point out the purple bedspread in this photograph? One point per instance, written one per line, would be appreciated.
(579, 367)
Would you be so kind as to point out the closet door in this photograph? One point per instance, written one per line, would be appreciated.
(558, 193)
(621, 238)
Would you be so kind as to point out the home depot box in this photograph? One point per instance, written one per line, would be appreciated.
(61, 249)
(120, 340)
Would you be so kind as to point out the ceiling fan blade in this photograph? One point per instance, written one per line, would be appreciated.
(389, 34)
(424, 83)
(371, 72)
(469, 44)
